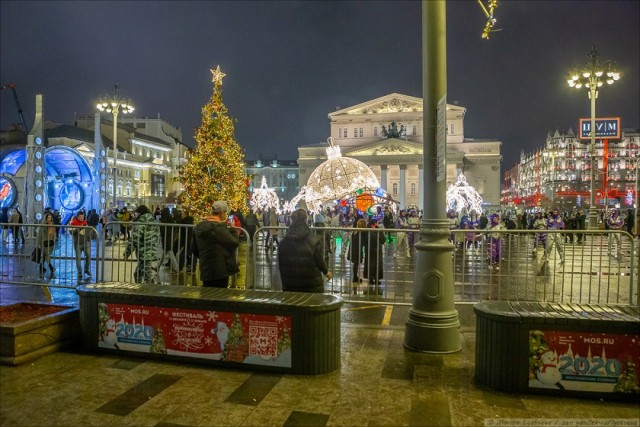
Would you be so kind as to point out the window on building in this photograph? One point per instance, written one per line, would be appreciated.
(361, 132)
(157, 185)
(452, 129)
(413, 188)
(375, 131)
(355, 132)
(414, 132)
(128, 189)
(119, 188)
(395, 189)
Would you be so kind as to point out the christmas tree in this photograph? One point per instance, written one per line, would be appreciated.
(215, 169)
(284, 341)
(236, 348)
(157, 345)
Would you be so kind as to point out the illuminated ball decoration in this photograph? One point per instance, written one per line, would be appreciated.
(337, 178)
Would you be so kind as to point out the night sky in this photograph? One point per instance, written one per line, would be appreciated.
(289, 64)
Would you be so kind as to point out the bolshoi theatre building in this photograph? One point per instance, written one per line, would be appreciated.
(386, 134)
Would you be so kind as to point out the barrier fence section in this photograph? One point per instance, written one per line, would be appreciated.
(590, 267)
(172, 264)
(46, 255)
(552, 265)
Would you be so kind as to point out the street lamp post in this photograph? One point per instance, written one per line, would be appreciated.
(592, 76)
(115, 104)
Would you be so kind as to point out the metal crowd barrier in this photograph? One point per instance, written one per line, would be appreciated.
(174, 263)
(602, 269)
(587, 275)
(20, 264)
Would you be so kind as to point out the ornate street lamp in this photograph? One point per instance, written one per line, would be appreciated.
(593, 76)
(115, 104)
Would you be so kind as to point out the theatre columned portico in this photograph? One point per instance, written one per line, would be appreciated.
(386, 135)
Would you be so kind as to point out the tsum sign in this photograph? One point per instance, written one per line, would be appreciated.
(607, 128)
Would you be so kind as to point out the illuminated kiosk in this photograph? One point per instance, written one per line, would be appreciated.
(335, 179)
(68, 186)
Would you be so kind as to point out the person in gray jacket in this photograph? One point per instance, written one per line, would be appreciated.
(215, 245)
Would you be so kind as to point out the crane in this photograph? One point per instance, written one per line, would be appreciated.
(12, 86)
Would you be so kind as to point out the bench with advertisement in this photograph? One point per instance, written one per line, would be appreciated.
(582, 350)
(289, 332)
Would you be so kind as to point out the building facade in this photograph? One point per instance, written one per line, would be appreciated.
(150, 152)
(282, 176)
(387, 135)
(559, 174)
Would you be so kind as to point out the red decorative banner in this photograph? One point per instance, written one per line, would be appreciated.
(256, 339)
(583, 361)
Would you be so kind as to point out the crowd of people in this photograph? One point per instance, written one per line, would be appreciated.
(304, 240)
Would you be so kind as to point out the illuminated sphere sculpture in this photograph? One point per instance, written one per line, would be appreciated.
(337, 178)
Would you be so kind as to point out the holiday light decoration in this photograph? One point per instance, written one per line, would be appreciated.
(215, 168)
(265, 198)
(463, 196)
(335, 179)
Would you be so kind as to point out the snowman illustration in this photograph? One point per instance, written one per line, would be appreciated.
(548, 372)
(109, 337)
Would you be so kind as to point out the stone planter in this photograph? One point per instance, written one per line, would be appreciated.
(31, 330)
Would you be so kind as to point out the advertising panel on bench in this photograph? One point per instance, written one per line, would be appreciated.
(255, 339)
(583, 361)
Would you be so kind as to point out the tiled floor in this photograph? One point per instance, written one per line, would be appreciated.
(379, 384)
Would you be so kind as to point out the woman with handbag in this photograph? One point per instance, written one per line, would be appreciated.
(46, 241)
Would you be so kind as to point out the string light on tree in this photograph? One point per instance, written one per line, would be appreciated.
(215, 168)
(463, 196)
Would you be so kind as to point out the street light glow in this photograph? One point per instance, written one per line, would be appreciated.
(115, 104)
(592, 79)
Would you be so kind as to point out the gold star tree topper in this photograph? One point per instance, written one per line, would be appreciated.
(217, 75)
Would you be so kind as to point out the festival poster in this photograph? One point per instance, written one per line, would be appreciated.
(583, 361)
(217, 335)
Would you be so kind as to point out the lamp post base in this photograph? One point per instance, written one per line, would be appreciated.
(433, 332)
(433, 325)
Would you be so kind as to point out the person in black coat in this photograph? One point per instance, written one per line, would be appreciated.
(629, 222)
(216, 244)
(300, 257)
(169, 234)
(4, 219)
(355, 251)
(373, 266)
